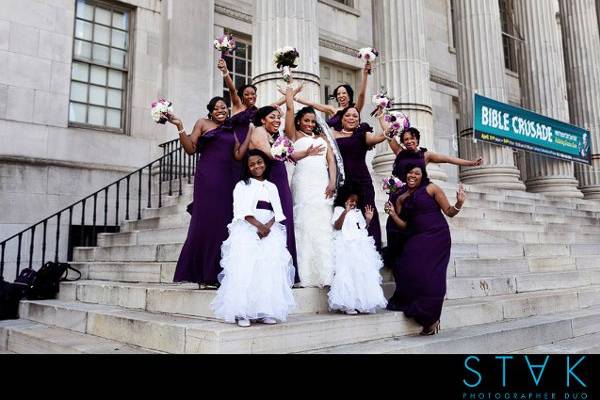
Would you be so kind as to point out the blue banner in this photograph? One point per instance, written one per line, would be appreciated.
(506, 125)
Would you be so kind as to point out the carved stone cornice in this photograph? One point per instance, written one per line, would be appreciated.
(337, 46)
(235, 14)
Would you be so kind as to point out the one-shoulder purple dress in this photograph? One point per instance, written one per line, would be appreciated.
(217, 173)
(354, 151)
(421, 270)
(335, 122)
(396, 237)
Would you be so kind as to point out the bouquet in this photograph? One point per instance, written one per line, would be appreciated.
(368, 55)
(159, 110)
(381, 101)
(398, 121)
(392, 185)
(286, 59)
(282, 149)
(225, 44)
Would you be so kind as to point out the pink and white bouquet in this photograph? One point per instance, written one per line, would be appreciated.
(392, 185)
(160, 109)
(368, 55)
(398, 122)
(381, 101)
(282, 149)
(285, 59)
(225, 44)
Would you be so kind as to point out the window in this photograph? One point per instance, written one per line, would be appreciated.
(349, 3)
(239, 64)
(452, 30)
(100, 66)
(509, 40)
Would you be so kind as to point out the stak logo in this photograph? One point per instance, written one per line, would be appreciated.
(508, 370)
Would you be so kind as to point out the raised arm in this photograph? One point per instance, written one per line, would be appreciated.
(188, 142)
(362, 92)
(290, 126)
(440, 197)
(240, 150)
(443, 159)
(376, 138)
(394, 145)
(394, 212)
(324, 108)
(236, 102)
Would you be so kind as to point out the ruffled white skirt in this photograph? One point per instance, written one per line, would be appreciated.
(257, 276)
(357, 282)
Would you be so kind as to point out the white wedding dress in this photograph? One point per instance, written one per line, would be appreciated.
(312, 213)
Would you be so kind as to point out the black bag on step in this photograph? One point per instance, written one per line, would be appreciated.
(46, 283)
(10, 295)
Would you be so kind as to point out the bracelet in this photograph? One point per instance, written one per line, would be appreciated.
(225, 75)
(456, 208)
(181, 131)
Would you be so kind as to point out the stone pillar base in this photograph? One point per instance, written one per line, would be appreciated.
(499, 177)
(556, 187)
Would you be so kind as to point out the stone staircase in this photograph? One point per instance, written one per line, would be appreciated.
(524, 277)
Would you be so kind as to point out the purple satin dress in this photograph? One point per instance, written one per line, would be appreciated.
(421, 270)
(279, 178)
(217, 173)
(335, 122)
(396, 237)
(354, 151)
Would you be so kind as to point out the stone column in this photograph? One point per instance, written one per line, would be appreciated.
(582, 55)
(280, 23)
(188, 57)
(404, 71)
(481, 70)
(544, 90)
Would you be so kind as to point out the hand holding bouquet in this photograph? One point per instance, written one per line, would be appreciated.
(392, 185)
(368, 55)
(398, 122)
(286, 59)
(225, 44)
(381, 101)
(160, 109)
(282, 149)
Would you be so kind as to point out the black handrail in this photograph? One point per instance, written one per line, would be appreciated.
(180, 166)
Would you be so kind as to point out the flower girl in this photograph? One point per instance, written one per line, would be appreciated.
(356, 286)
(258, 274)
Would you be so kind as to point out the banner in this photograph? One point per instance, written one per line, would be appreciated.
(522, 129)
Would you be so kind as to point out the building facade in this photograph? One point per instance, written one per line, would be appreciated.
(77, 78)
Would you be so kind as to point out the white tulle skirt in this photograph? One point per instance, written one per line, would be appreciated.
(257, 276)
(357, 282)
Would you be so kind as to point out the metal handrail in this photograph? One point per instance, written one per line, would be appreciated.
(174, 164)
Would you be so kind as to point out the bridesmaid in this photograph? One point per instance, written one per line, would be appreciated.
(411, 153)
(355, 140)
(217, 173)
(267, 121)
(344, 95)
(421, 270)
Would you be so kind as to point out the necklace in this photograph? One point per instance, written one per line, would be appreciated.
(345, 132)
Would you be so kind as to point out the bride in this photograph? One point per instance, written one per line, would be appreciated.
(313, 188)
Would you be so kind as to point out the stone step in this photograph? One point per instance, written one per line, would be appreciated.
(137, 253)
(302, 332)
(495, 338)
(27, 337)
(463, 265)
(187, 300)
(150, 272)
(588, 344)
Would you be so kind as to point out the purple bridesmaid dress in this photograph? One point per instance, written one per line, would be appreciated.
(279, 178)
(335, 122)
(421, 270)
(217, 173)
(396, 237)
(354, 151)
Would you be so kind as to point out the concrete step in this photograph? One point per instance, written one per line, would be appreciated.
(588, 344)
(150, 272)
(187, 300)
(138, 253)
(465, 266)
(27, 337)
(495, 338)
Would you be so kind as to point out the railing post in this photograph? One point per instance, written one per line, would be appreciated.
(105, 208)
(140, 195)
(160, 181)
(150, 185)
(44, 243)
(180, 155)
(94, 240)
(83, 241)
(117, 206)
(171, 174)
(2, 260)
(31, 246)
(127, 203)
(57, 238)
(19, 254)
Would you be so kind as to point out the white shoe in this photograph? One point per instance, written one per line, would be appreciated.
(243, 323)
(351, 312)
(268, 321)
